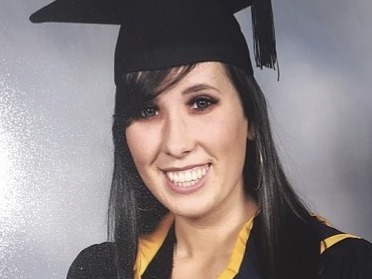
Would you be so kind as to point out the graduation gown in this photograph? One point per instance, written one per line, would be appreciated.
(342, 257)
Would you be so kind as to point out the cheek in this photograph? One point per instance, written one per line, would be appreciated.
(137, 144)
(225, 138)
(144, 144)
(227, 133)
(232, 141)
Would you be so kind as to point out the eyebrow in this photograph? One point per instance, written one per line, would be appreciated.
(198, 87)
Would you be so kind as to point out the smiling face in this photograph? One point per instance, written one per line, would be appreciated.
(189, 144)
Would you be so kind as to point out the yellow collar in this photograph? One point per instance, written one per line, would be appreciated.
(332, 240)
(150, 244)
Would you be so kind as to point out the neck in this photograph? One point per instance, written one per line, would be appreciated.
(214, 234)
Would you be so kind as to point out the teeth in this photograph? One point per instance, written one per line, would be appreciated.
(187, 178)
(176, 177)
(194, 175)
(199, 173)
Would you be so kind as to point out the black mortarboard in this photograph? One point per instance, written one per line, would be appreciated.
(158, 34)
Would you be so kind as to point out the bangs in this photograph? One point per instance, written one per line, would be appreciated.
(138, 88)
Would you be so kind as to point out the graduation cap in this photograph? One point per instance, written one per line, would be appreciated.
(157, 34)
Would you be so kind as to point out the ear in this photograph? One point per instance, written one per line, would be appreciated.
(251, 135)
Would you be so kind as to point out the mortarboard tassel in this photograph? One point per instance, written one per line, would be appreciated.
(264, 34)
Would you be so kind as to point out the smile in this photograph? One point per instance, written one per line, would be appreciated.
(187, 178)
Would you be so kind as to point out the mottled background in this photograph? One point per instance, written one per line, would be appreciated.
(56, 102)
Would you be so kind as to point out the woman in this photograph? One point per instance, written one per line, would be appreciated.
(198, 189)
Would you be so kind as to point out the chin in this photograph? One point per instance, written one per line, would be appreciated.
(190, 211)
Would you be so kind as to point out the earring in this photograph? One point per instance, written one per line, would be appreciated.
(260, 167)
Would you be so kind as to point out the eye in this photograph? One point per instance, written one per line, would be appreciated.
(201, 103)
(149, 111)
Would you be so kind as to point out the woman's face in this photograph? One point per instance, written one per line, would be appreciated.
(189, 145)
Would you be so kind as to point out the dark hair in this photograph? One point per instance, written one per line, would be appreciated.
(133, 210)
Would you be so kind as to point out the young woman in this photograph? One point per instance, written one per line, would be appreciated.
(198, 190)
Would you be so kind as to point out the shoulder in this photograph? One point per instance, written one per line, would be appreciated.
(350, 258)
(95, 262)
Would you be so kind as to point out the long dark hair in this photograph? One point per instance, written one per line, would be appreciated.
(283, 222)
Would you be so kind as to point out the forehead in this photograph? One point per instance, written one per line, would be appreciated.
(209, 73)
(209, 70)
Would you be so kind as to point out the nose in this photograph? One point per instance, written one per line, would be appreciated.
(177, 139)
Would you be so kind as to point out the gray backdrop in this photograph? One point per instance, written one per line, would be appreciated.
(56, 102)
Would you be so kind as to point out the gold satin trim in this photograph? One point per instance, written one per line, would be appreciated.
(237, 255)
(332, 240)
(150, 244)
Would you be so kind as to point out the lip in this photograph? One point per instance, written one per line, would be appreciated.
(186, 190)
(189, 167)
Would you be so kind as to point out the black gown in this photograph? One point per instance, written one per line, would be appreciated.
(350, 258)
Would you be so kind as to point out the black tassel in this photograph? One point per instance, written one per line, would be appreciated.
(264, 34)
